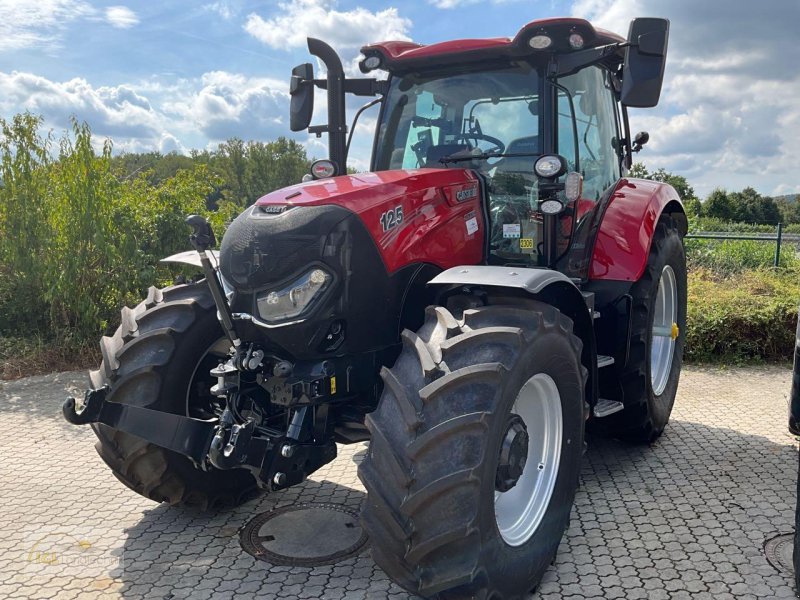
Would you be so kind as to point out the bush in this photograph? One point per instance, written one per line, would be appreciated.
(727, 257)
(751, 316)
(715, 224)
(76, 242)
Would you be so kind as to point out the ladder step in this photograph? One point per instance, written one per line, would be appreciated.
(605, 407)
(604, 361)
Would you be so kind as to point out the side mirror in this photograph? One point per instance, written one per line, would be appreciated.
(643, 71)
(301, 89)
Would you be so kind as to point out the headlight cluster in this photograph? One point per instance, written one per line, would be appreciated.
(291, 301)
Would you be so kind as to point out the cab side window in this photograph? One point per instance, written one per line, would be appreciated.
(595, 119)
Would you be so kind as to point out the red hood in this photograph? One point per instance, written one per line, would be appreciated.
(363, 191)
(415, 216)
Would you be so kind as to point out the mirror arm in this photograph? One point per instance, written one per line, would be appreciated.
(572, 63)
(361, 86)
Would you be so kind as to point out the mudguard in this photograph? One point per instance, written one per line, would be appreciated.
(626, 231)
(530, 280)
(545, 285)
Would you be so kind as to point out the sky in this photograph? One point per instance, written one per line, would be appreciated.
(176, 75)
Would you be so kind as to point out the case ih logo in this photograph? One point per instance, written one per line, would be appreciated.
(274, 209)
(467, 194)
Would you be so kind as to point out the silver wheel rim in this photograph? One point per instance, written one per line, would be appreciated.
(664, 333)
(520, 510)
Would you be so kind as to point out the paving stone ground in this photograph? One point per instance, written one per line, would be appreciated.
(685, 518)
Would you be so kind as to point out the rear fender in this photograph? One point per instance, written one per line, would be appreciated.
(626, 231)
(544, 285)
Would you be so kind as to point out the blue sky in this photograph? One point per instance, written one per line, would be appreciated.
(172, 75)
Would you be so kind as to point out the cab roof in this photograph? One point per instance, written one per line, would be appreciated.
(402, 56)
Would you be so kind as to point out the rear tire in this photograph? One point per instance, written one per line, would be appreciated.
(158, 359)
(649, 391)
(437, 524)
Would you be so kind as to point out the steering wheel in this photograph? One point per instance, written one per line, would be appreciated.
(498, 146)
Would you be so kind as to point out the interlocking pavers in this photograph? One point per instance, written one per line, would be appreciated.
(684, 518)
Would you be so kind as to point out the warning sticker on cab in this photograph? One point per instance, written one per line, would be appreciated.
(471, 222)
(526, 243)
(511, 230)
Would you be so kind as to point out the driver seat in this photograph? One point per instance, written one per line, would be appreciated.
(520, 164)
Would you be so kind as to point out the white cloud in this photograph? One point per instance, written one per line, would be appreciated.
(25, 24)
(223, 9)
(447, 4)
(230, 104)
(295, 21)
(728, 114)
(121, 17)
(111, 111)
(151, 116)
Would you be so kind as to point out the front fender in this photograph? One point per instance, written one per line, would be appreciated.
(626, 231)
(544, 285)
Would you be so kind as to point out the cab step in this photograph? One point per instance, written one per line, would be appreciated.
(605, 407)
(604, 361)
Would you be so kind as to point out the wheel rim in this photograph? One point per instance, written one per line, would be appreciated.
(665, 330)
(520, 510)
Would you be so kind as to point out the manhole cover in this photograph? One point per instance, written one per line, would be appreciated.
(304, 535)
(779, 552)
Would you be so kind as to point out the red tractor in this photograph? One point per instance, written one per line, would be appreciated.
(494, 284)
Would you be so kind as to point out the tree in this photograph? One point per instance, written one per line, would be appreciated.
(718, 205)
(638, 171)
(694, 208)
(751, 207)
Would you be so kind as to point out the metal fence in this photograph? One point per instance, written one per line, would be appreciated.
(778, 238)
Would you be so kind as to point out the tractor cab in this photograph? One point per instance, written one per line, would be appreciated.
(542, 118)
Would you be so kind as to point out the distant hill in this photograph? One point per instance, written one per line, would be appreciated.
(791, 198)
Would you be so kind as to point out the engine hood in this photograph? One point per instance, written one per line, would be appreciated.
(363, 191)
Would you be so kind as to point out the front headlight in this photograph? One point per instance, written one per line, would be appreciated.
(292, 301)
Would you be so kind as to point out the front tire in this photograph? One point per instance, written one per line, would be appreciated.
(159, 359)
(438, 511)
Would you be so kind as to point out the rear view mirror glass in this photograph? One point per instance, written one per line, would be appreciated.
(301, 89)
(645, 57)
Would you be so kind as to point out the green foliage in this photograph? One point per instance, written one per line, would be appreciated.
(24, 158)
(748, 317)
(747, 206)
(728, 257)
(155, 166)
(82, 233)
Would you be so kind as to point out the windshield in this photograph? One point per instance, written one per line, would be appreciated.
(483, 120)
(427, 119)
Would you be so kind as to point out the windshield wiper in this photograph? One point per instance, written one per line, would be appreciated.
(459, 157)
